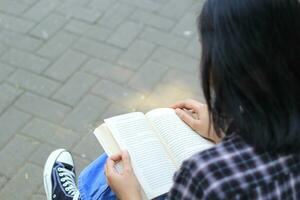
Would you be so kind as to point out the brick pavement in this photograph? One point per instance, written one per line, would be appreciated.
(65, 65)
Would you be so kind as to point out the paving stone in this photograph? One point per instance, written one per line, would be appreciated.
(49, 26)
(41, 9)
(3, 49)
(164, 39)
(42, 107)
(136, 54)
(24, 183)
(8, 94)
(183, 80)
(12, 7)
(80, 163)
(57, 45)
(89, 147)
(41, 154)
(96, 49)
(145, 4)
(25, 60)
(27, 2)
(7, 128)
(145, 82)
(50, 133)
(113, 110)
(77, 2)
(175, 60)
(15, 24)
(79, 12)
(3, 181)
(102, 5)
(5, 71)
(118, 94)
(38, 197)
(125, 34)
(16, 40)
(33, 82)
(108, 71)
(116, 15)
(81, 83)
(88, 30)
(85, 114)
(187, 26)
(194, 48)
(15, 153)
(175, 9)
(152, 19)
(66, 65)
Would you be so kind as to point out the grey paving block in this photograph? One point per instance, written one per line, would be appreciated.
(12, 7)
(11, 121)
(38, 197)
(25, 182)
(80, 163)
(3, 181)
(79, 12)
(145, 4)
(49, 26)
(57, 45)
(25, 60)
(41, 154)
(164, 39)
(108, 71)
(8, 94)
(3, 49)
(116, 15)
(33, 82)
(175, 9)
(50, 133)
(91, 31)
(148, 76)
(118, 94)
(41, 9)
(85, 114)
(42, 107)
(183, 80)
(15, 153)
(152, 19)
(136, 54)
(102, 5)
(19, 41)
(66, 65)
(15, 23)
(97, 49)
(194, 48)
(89, 147)
(27, 2)
(5, 71)
(187, 26)
(113, 110)
(176, 60)
(80, 82)
(125, 34)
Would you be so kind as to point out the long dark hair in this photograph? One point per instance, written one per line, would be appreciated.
(251, 70)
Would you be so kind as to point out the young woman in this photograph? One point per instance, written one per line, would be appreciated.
(251, 81)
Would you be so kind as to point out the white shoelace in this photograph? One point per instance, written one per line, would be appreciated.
(67, 178)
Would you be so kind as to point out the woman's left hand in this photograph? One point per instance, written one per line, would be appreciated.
(124, 184)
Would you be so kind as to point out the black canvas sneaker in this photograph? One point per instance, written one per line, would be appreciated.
(59, 176)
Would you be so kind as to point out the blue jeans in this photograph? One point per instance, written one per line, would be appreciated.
(92, 182)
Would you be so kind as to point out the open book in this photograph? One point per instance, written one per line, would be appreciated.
(158, 142)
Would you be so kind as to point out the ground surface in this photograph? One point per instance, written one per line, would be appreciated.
(65, 65)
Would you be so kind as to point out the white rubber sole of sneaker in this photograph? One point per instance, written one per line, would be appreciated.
(48, 171)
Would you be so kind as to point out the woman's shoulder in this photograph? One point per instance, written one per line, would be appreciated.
(232, 166)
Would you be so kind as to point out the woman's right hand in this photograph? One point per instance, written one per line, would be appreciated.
(195, 114)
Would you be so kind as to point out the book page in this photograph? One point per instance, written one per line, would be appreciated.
(151, 163)
(181, 140)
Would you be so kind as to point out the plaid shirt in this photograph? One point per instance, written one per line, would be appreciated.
(234, 170)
